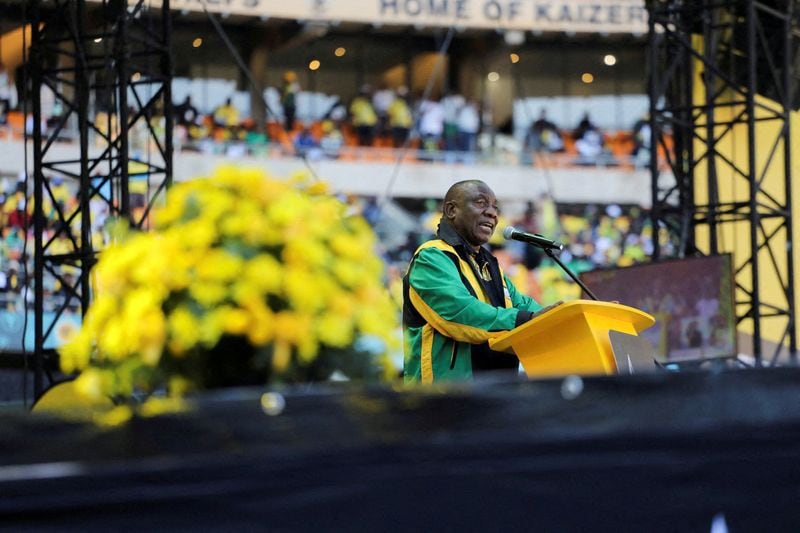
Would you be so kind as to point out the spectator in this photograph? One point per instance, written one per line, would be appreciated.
(381, 101)
(588, 142)
(641, 142)
(226, 115)
(468, 122)
(431, 124)
(363, 117)
(8, 94)
(400, 117)
(332, 139)
(544, 135)
(185, 113)
(451, 105)
(305, 145)
(289, 92)
(585, 125)
(256, 139)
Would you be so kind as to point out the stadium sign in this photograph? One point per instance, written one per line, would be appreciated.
(580, 16)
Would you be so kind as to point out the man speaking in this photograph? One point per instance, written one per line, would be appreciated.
(455, 297)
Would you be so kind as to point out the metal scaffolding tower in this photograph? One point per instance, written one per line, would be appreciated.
(719, 72)
(104, 69)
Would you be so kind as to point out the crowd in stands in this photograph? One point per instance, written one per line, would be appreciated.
(16, 229)
(450, 129)
(595, 236)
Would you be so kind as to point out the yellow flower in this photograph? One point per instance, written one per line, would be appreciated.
(210, 329)
(160, 406)
(275, 262)
(234, 321)
(264, 273)
(335, 330)
(292, 327)
(347, 246)
(92, 384)
(306, 253)
(260, 329)
(102, 309)
(308, 349)
(328, 215)
(208, 294)
(167, 265)
(291, 210)
(173, 210)
(198, 234)
(218, 266)
(349, 274)
(301, 289)
(179, 385)
(115, 417)
(152, 336)
(113, 342)
(342, 304)
(281, 354)
(248, 224)
(183, 329)
(319, 188)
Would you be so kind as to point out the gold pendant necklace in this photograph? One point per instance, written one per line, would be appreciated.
(483, 271)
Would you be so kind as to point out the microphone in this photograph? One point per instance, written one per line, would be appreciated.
(532, 238)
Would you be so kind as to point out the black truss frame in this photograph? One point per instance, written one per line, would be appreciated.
(116, 55)
(748, 48)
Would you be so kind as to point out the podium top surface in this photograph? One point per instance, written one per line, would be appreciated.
(638, 319)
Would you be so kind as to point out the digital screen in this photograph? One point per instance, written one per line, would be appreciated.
(691, 300)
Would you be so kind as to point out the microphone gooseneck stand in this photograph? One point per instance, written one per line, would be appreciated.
(552, 254)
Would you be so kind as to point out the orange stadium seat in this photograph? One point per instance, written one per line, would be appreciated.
(16, 121)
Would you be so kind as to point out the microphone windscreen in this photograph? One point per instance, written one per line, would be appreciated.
(508, 232)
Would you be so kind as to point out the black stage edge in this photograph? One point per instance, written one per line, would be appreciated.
(661, 452)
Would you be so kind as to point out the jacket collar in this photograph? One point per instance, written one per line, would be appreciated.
(448, 234)
(494, 288)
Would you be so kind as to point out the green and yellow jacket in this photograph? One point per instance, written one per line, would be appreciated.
(454, 301)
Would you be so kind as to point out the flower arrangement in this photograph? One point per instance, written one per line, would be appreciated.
(245, 280)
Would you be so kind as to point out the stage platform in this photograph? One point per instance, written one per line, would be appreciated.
(659, 452)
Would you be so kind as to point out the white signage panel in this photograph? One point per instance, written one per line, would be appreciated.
(580, 16)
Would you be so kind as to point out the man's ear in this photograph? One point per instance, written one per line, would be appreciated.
(449, 210)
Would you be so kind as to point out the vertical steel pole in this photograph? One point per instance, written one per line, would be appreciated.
(755, 219)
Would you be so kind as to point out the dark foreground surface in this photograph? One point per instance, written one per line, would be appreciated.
(667, 452)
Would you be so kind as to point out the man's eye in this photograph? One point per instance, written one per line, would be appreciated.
(484, 204)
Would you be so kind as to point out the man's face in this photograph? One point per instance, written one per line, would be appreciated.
(474, 214)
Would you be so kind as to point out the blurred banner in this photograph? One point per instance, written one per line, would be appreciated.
(584, 16)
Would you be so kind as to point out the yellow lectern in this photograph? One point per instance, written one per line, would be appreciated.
(572, 338)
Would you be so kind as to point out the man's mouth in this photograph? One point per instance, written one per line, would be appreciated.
(488, 225)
